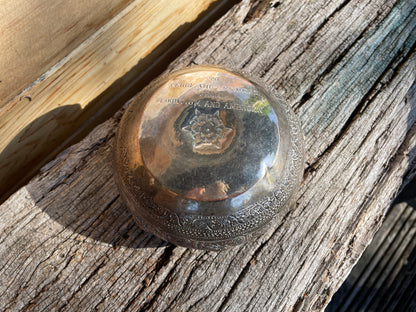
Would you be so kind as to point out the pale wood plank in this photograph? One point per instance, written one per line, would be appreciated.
(68, 242)
(36, 34)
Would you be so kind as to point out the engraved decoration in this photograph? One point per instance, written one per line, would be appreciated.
(208, 131)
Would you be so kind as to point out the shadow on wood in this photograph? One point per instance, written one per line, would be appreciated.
(90, 219)
(26, 150)
(384, 278)
(411, 124)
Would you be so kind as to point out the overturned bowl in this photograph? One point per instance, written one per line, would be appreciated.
(205, 157)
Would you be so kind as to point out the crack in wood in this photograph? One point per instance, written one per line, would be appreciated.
(326, 20)
(80, 229)
(188, 281)
(41, 261)
(401, 57)
(46, 287)
(314, 36)
(321, 76)
(124, 268)
(234, 286)
(270, 65)
(258, 8)
(100, 265)
(297, 305)
(248, 264)
(163, 260)
(84, 158)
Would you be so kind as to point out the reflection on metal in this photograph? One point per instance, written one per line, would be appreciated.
(208, 131)
(205, 157)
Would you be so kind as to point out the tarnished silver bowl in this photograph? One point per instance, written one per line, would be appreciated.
(205, 157)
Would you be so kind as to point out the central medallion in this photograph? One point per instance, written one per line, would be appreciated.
(208, 132)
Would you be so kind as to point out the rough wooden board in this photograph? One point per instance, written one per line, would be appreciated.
(34, 124)
(36, 34)
(67, 241)
(384, 277)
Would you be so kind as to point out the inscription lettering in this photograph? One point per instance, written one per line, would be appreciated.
(204, 86)
(213, 104)
(181, 84)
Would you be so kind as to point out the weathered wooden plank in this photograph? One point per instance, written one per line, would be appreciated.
(67, 241)
(382, 278)
(88, 80)
(37, 34)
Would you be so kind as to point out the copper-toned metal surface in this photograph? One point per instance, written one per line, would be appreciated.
(205, 157)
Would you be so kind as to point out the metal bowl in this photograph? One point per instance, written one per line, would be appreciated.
(205, 157)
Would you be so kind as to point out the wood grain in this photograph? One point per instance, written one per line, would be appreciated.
(384, 277)
(87, 80)
(347, 67)
(36, 34)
